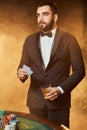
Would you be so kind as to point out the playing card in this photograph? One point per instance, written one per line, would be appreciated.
(27, 69)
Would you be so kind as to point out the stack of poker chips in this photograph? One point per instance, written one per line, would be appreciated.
(0, 123)
(2, 113)
(11, 126)
(5, 121)
(9, 122)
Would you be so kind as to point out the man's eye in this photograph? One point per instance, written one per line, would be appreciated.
(46, 14)
(37, 15)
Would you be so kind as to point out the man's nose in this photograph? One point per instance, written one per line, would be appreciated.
(40, 18)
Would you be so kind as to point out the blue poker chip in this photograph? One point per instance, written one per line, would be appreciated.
(1, 124)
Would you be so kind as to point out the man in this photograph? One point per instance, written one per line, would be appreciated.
(50, 58)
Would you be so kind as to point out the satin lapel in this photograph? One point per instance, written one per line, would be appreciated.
(55, 46)
(37, 53)
(55, 42)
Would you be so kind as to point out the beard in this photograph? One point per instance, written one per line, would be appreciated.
(46, 26)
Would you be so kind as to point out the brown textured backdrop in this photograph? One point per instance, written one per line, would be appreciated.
(16, 22)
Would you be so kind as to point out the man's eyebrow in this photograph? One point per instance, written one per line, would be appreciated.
(45, 12)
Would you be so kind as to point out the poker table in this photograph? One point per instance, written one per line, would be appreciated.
(32, 122)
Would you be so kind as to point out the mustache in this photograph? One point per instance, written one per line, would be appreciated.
(42, 23)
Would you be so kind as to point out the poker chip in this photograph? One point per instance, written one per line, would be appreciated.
(8, 122)
(2, 112)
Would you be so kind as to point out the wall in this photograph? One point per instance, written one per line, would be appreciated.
(16, 22)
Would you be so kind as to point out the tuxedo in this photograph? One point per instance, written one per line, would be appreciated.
(65, 54)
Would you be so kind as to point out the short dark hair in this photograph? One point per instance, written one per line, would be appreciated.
(52, 5)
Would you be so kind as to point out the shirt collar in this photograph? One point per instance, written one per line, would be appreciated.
(54, 31)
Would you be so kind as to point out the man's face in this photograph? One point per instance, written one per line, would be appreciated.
(45, 18)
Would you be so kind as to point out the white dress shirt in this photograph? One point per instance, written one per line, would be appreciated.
(46, 47)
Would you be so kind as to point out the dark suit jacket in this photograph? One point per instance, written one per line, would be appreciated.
(65, 53)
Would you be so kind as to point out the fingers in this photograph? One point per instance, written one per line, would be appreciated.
(53, 94)
(21, 73)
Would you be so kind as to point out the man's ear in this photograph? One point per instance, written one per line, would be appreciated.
(55, 17)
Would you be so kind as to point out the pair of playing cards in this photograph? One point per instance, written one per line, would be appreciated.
(27, 69)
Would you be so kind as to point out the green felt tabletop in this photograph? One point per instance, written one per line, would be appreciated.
(28, 124)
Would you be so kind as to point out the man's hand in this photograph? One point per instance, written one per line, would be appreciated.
(53, 93)
(21, 74)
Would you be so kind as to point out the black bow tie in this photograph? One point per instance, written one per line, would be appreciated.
(49, 34)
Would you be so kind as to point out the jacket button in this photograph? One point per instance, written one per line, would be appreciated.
(45, 74)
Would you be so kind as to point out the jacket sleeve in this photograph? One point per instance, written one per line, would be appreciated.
(24, 58)
(78, 69)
